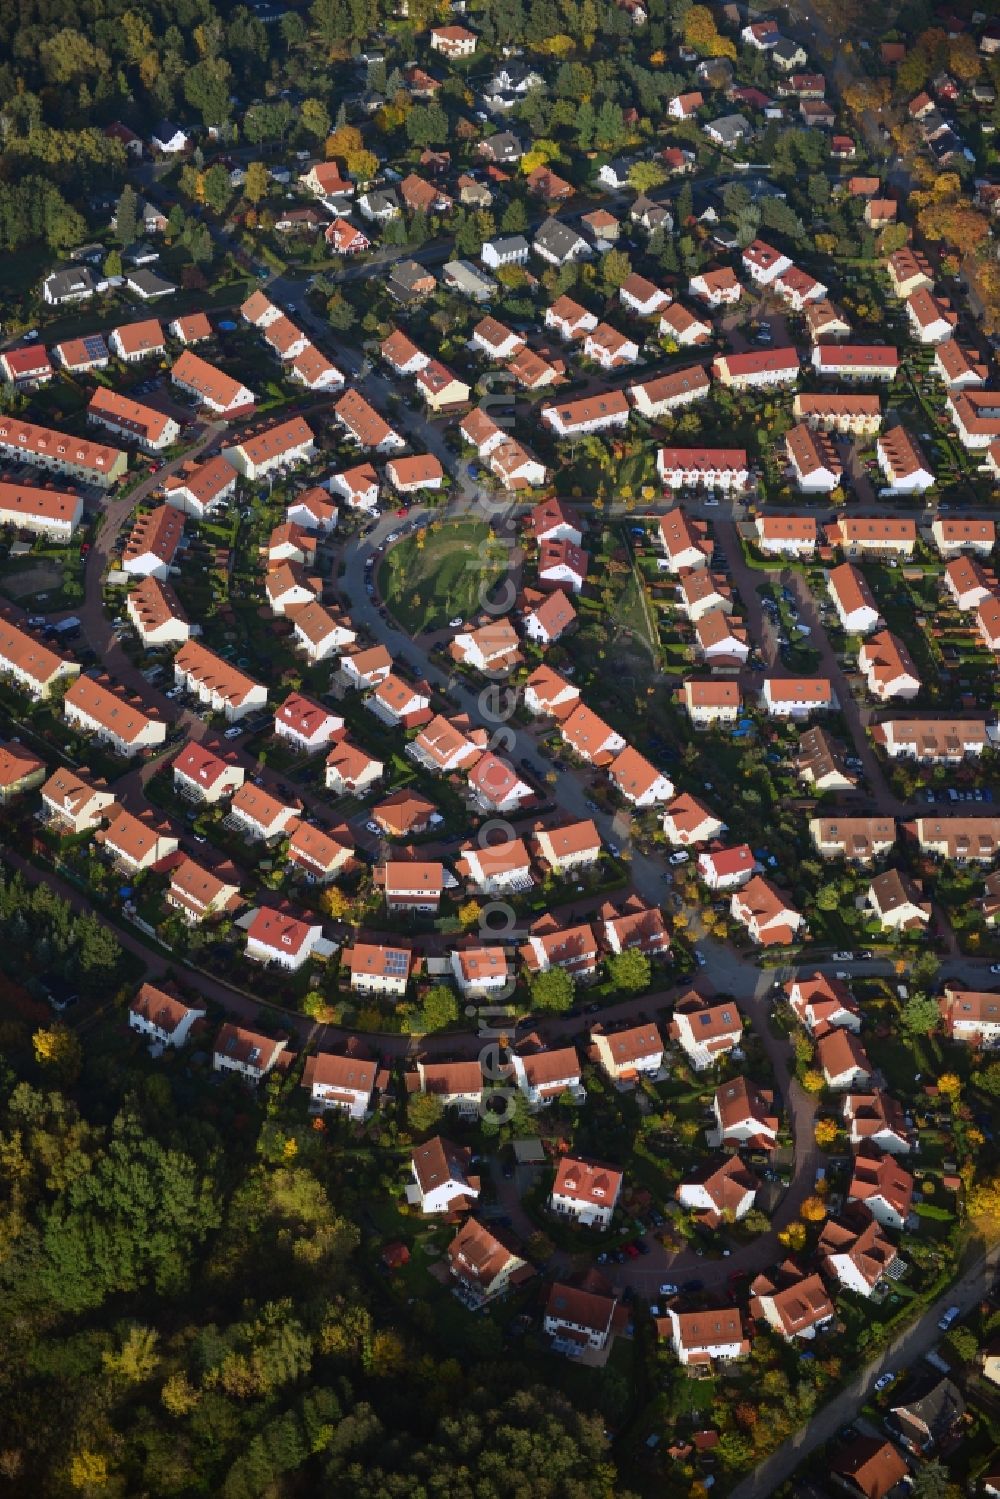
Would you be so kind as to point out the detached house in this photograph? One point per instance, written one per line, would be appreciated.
(136, 843)
(624, 1056)
(459, 1085)
(163, 1018)
(688, 822)
(247, 1053)
(708, 1336)
(888, 668)
(495, 867)
(853, 599)
(378, 968)
(442, 1180)
(766, 913)
(745, 1115)
(545, 1075)
(711, 702)
(485, 1265)
(704, 1031)
(822, 1003)
(73, 804)
(634, 925)
(843, 1060)
(796, 1307)
(971, 1016)
(639, 781)
(719, 1190)
(586, 1191)
(344, 1083)
(855, 1253)
(684, 542)
(895, 899)
(798, 697)
(577, 1320)
(884, 1186)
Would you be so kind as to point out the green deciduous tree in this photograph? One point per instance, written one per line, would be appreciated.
(552, 990)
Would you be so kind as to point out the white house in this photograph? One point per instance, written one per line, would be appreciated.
(276, 937)
(247, 1053)
(586, 1191)
(545, 1075)
(162, 1017)
(441, 1176)
(344, 1083)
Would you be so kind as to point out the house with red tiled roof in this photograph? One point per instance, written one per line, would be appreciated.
(400, 704)
(544, 1075)
(496, 785)
(795, 1305)
(720, 1190)
(705, 1031)
(572, 948)
(628, 1054)
(481, 971)
(548, 693)
(248, 1053)
(546, 617)
(687, 821)
(485, 1263)
(442, 1180)
(823, 1003)
(459, 1085)
(136, 843)
(727, 868)
(200, 775)
(634, 924)
(883, 1185)
(879, 1120)
(162, 1017)
(379, 968)
(870, 1466)
(72, 803)
(494, 867)
(855, 1253)
(638, 780)
(586, 1191)
(842, 1059)
(708, 1336)
(345, 1083)
(588, 736)
(766, 913)
(745, 1114)
(199, 893)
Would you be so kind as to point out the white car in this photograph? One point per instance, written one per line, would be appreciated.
(680, 857)
(454, 624)
(233, 733)
(843, 957)
(669, 1289)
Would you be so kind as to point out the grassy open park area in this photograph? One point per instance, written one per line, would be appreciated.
(440, 574)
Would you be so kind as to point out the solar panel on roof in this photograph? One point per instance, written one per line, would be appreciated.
(396, 962)
(95, 346)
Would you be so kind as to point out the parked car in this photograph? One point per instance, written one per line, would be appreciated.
(669, 1289)
(949, 1317)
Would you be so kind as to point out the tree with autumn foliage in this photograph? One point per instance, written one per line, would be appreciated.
(701, 33)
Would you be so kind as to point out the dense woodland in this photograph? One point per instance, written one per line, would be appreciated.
(187, 1301)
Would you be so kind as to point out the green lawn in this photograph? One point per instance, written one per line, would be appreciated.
(448, 576)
